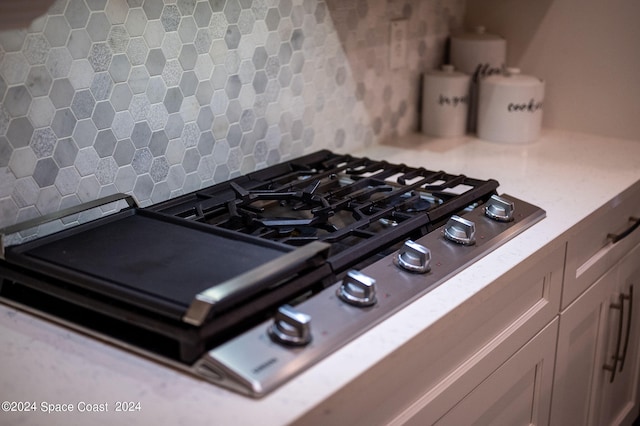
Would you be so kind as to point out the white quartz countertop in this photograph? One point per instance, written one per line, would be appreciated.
(567, 174)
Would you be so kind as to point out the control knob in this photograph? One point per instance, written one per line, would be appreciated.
(500, 209)
(460, 230)
(413, 257)
(290, 327)
(357, 289)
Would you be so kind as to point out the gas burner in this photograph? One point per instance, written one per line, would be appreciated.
(254, 206)
(416, 202)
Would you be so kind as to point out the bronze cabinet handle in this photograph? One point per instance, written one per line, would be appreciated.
(628, 331)
(609, 367)
(617, 237)
(618, 359)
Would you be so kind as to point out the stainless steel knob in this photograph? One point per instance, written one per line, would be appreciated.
(460, 230)
(358, 289)
(500, 209)
(290, 327)
(413, 257)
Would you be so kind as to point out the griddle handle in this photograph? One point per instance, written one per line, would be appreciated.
(203, 306)
(50, 217)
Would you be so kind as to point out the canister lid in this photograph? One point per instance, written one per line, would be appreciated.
(512, 77)
(446, 71)
(479, 34)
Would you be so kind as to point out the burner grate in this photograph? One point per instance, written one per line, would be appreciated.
(360, 206)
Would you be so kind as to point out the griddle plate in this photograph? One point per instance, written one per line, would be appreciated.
(145, 259)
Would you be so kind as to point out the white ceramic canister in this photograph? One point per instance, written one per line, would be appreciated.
(510, 107)
(445, 102)
(478, 54)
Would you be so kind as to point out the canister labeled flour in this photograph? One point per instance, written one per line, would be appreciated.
(479, 54)
(445, 102)
(510, 107)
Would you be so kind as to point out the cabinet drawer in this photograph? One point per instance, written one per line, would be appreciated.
(591, 248)
(449, 358)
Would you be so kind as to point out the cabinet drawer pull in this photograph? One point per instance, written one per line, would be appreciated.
(618, 359)
(627, 332)
(617, 237)
(613, 368)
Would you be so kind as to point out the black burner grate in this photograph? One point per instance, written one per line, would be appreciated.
(359, 205)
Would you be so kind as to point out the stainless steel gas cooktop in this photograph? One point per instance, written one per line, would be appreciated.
(249, 282)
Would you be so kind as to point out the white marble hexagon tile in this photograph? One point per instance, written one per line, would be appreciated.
(156, 98)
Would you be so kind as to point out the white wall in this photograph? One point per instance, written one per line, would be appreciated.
(588, 51)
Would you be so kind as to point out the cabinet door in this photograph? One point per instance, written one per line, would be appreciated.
(618, 401)
(517, 393)
(578, 367)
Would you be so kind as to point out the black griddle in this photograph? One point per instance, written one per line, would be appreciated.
(153, 261)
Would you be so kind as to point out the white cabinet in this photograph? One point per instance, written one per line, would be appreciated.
(618, 397)
(599, 327)
(599, 331)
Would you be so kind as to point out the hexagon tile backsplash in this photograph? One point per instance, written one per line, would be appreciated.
(156, 98)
